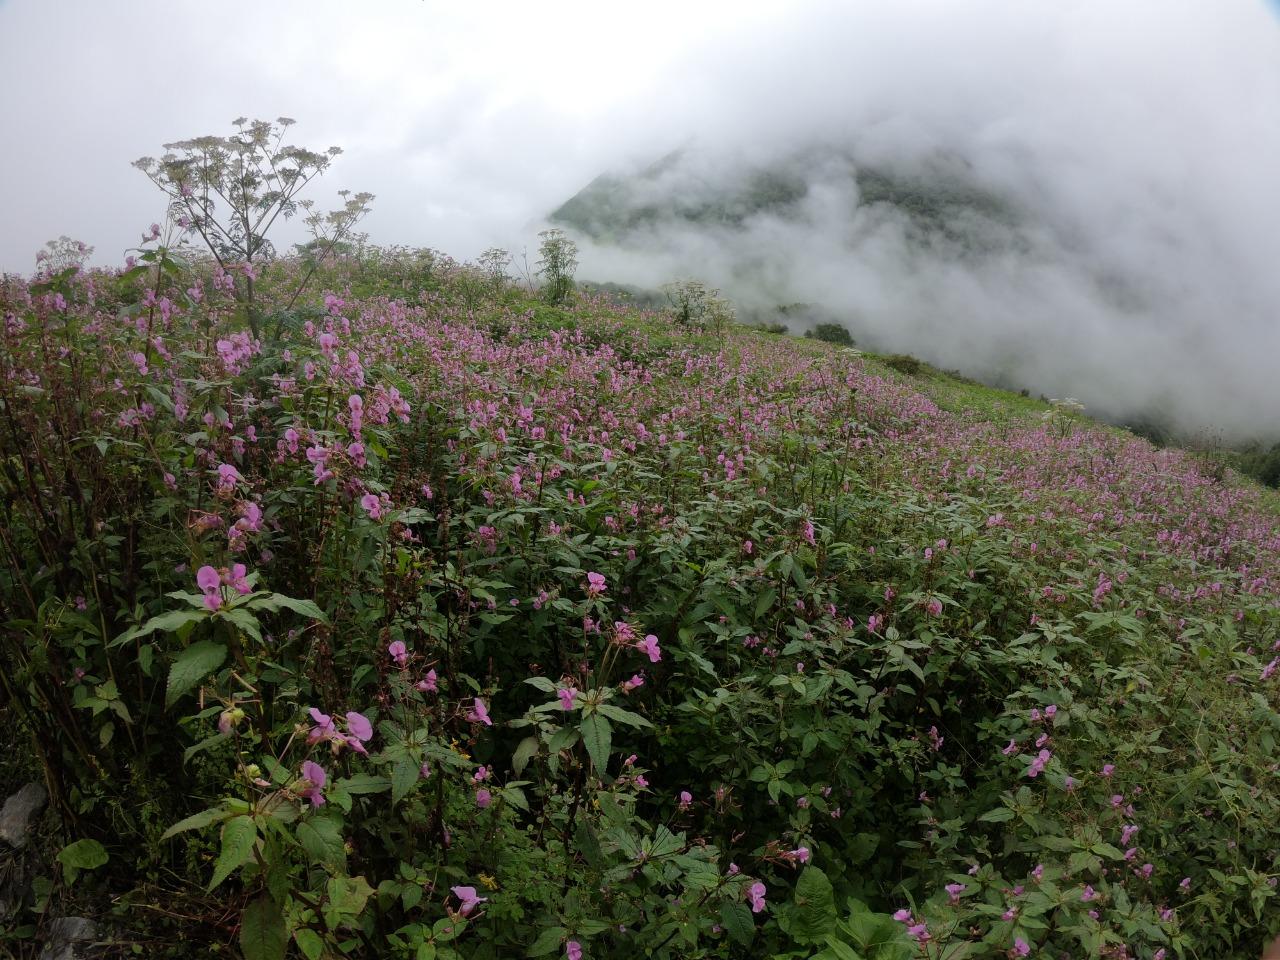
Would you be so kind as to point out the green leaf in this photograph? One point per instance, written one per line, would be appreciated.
(837, 950)
(623, 716)
(664, 842)
(348, 895)
(597, 736)
(81, 855)
(998, 815)
(238, 836)
(525, 751)
(736, 919)
(364, 783)
(193, 665)
(309, 942)
(275, 602)
(322, 840)
(245, 620)
(166, 622)
(764, 601)
(263, 934)
(404, 777)
(548, 941)
(813, 914)
(541, 683)
(203, 745)
(196, 821)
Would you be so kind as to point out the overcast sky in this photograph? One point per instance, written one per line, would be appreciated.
(1148, 130)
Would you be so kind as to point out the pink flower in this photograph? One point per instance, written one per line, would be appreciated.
(595, 584)
(650, 646)
(954, 890)
(1089, 894)
(686, 799)
(636, 681)
(358, 726)
(567, 695)
(573, 950)
(483, 798)
(207, 578)
(1038, 764)
(1021, 948)
(323, 729)
(934, 606)
(372, 505)
(237, 579)
(398, 652)
(481, 774)
(479, 713)
(428, 684)
(228, 476)
(313, 776)
(468, 898)
(755, 894)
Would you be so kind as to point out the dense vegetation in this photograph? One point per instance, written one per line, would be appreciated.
(441, 622)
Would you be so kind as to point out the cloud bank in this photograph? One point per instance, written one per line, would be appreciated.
(1139, 141)
(1139, 144)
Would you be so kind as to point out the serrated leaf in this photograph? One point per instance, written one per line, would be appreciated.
(309, 942)
(623, 716)
(548, 941)
(276, 601)
(196, 821)
(263, 934)
(998, 815)
(813, 914)
(193, 665)
(165, 622)
(238, 836)
(203, 745)
(363, 783)
(245, 620)
(348, 895)
(83, 855)
(404, 777)
(322, 840)
(541, 683)
(597, 737)
(525, 751)
(737, 920)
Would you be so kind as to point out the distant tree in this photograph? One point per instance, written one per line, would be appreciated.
(494, 262)
(831, 333)
(62, 254)
(229, 191)
(694, 304)
(557, 261)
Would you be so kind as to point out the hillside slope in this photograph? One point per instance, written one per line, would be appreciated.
(451, 624)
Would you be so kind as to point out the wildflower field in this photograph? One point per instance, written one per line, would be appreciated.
(437, 622)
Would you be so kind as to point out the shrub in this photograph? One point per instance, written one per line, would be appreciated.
(557, 261)
(831, 333)
(229, 191)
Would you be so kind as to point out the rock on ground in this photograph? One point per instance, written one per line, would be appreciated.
(15, 817)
